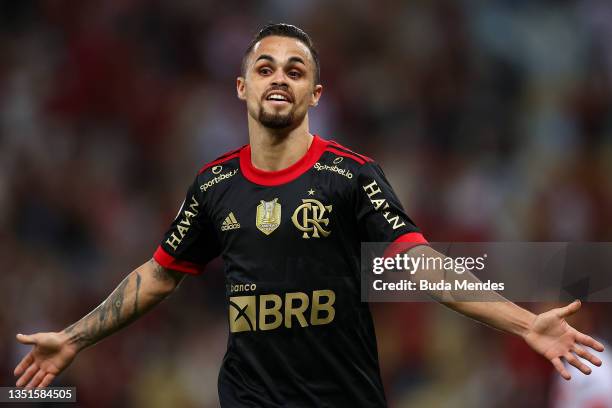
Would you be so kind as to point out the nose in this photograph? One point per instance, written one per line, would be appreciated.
(279, 78)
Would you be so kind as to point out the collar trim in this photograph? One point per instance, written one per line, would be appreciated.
(276, 178)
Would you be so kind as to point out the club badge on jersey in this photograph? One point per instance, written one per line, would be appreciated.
(309, 218)
(268, 216)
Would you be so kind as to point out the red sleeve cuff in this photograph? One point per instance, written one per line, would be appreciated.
(404, 242)
(168, 261)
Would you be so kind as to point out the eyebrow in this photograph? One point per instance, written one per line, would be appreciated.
(297, 59)
(265, 57)
(271, 59)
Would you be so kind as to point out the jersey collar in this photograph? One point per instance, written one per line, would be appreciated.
(275, 178)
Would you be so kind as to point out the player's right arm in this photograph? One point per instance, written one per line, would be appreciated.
(142, 289)
(188, 245)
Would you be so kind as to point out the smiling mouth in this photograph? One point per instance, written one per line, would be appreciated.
(277, 97)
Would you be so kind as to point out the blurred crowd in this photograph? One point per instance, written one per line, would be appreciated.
(492, 120)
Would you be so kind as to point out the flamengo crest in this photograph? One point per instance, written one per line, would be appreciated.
(309, 218)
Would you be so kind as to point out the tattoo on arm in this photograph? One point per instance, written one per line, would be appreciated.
(103, 320)
(115, 313)
(138, 279)
(162, 274)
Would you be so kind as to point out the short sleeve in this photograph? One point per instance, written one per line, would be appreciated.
(190, 242)
(380, 215)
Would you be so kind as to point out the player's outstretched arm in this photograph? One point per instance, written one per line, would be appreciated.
(142, 289)
(548, 333)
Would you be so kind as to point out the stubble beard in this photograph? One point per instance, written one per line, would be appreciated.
(276, 120)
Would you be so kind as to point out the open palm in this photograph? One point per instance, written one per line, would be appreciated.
(551, 336)
(49, 357)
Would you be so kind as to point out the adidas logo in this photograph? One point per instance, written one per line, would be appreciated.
(230, 223)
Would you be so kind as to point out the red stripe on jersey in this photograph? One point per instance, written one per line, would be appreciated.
(347, 150)
(404, 242)
(223, 159)
(346, 154)
(275, 178)
(414, 237)
(168, 261)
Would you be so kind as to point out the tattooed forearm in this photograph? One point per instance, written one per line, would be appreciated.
(134, 296)
(138, 279)
(165, 275)
(115, 303)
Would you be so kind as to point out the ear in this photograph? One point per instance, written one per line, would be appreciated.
(316, 95)
(240, 88)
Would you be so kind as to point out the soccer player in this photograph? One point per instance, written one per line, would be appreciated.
(287, 213)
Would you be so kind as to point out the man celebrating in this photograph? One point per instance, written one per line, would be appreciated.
(287, 213)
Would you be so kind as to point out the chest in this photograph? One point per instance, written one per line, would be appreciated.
(310, 210)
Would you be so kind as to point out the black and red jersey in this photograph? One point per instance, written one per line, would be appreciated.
(290, 240)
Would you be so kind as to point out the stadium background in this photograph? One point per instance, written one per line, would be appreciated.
(492, 119)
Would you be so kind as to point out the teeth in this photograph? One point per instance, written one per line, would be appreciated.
(276, 97)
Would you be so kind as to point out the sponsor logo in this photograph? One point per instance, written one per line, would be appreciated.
(242, 313)
(182, 227)
(379, 203)
(230, 223)
(268, 216)
(217, 179)
(271, 311)
(338, 160)
(242, 287)
(217, 169)
(308, 218)
(343, 172)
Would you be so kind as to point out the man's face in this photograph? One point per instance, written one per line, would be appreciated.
(278, 86)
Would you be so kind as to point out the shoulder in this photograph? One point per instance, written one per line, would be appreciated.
(219, 171)
(342, 160)
(226, 159)
(339, 153)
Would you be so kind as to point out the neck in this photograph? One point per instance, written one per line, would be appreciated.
(274, 150)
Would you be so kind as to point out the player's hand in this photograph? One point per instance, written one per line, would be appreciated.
(49, 357)
(551, 336)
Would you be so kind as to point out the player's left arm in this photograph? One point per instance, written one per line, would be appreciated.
(548, 333)
(382, 218)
